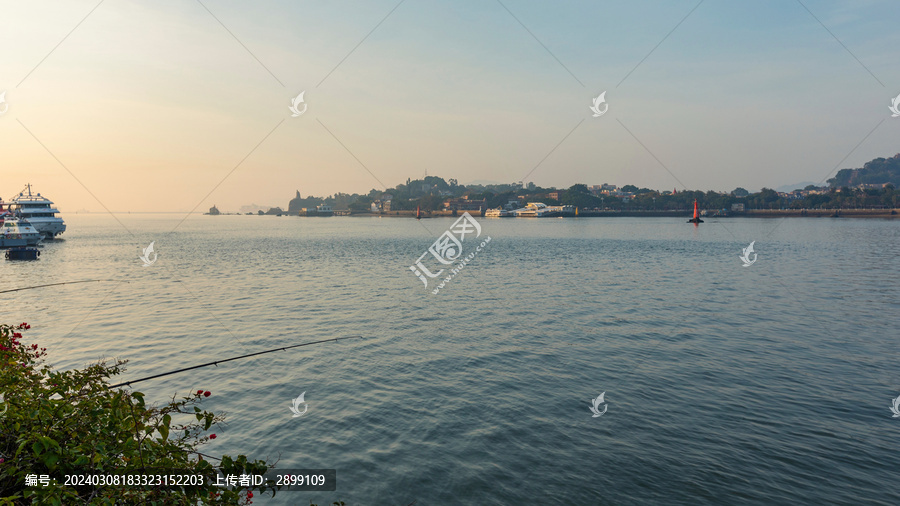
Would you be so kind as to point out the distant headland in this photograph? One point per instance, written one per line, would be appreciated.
(867, 191)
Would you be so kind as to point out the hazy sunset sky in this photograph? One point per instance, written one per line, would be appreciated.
(150, 105)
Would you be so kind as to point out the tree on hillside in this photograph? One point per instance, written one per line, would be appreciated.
(579, 188)
(361, 205)
(575, 196)
(877, 171)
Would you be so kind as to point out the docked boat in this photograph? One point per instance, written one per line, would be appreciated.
(498, 213)
(561, 211)
(534, 210)
(16, 231)
(39, 212)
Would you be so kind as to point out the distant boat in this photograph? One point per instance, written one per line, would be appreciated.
(534, 210)
(696, 219)
(498, 213)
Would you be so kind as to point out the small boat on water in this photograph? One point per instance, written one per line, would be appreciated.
(39, 212)
(498, 213)
(16, 231)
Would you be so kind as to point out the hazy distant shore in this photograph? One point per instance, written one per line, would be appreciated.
(755, 213)
(822, 213)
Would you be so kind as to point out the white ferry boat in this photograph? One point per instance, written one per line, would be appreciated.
(498, 213)
(15, 231)
(534, 210)
(39, 212)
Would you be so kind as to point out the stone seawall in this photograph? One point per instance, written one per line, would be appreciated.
(821, 213)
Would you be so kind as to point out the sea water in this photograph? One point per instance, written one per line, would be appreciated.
(724, 384)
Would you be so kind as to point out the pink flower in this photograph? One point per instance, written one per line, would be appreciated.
(207, 393)
(199, 392)
(212, 436)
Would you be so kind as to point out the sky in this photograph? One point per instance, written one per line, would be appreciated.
(179, 105)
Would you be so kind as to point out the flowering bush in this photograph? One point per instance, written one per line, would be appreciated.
(53, 423)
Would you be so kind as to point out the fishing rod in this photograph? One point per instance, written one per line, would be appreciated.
(55, 284)
(217, 362)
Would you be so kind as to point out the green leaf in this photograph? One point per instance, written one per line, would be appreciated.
(21, 447)
(50, 460)
(49, 443)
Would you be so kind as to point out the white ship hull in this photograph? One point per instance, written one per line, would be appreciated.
(48, 227)
(533, 210)
(533, 214)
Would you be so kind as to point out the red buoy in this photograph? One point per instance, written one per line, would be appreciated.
(696, 219)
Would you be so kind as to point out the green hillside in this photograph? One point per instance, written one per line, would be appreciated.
(878, 171)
